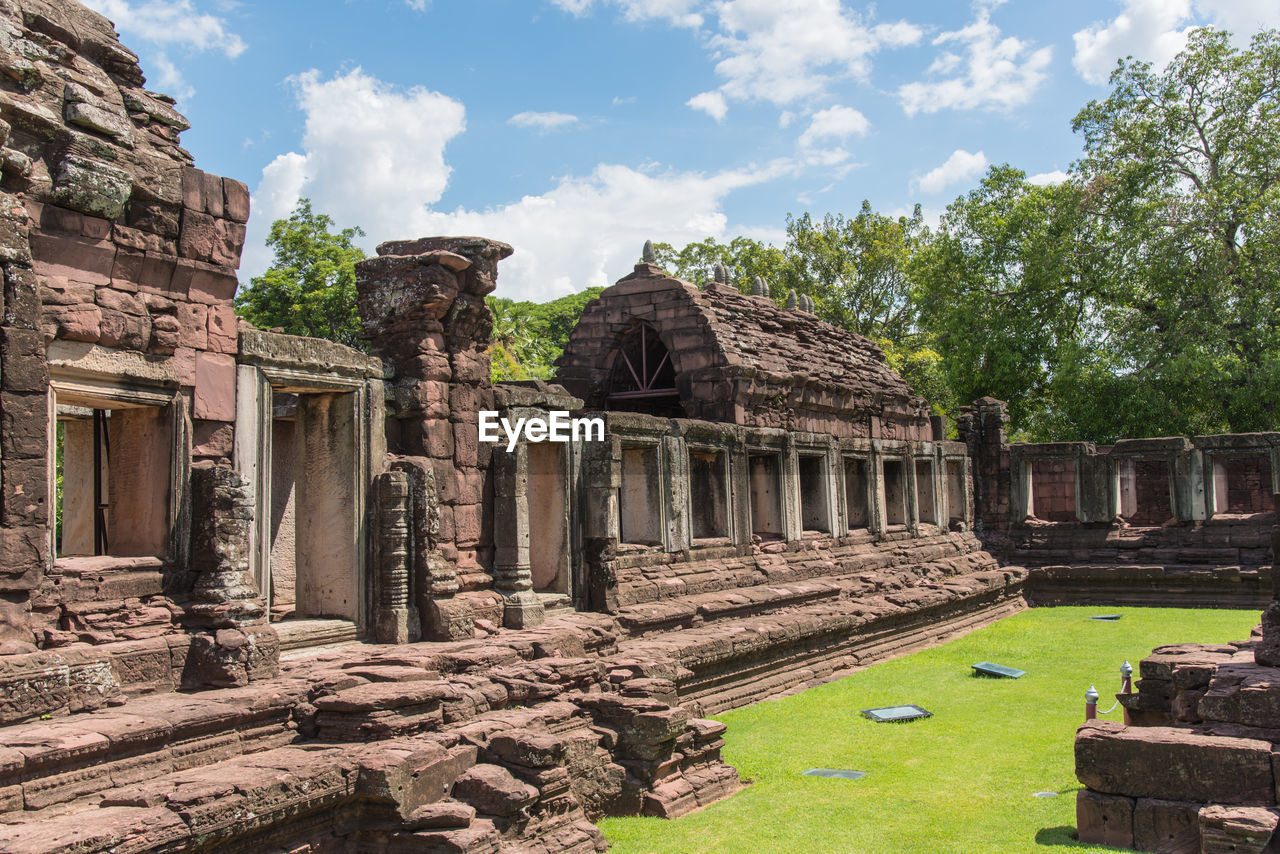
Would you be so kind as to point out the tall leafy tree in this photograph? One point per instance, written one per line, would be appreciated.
(310, 287)
(1009, 287)
(1183, 166)
(856, 269)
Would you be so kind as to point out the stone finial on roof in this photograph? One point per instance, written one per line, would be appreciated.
(720, 274)
(806, 303)
(759, 288)
(648, 255)
(792, 302)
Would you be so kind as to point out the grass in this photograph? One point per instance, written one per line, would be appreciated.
(961, 781)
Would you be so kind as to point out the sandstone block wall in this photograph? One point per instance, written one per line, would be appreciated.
(119, 262)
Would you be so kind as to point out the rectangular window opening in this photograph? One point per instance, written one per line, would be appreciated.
(1242, 483)
(765, 474)
(926, 507)
(113, 468)
(1053, 490)
(956, 502)
(548, 518)
(855, 493)
(895, 493)
(814, 504)
(640, 498)
(708, 495)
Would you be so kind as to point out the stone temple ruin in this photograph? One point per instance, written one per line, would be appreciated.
(268, 593)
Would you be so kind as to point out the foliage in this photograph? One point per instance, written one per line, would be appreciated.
(1182, 168)
(744, 258)
(310, 287)
(528, 337)
(962, 780)
(857, 269)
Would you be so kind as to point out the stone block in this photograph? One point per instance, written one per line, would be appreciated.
(212, 192)
(228, 243)
(22, 355)
(212, 440)
(235, 196)
(73, 322)
(1171, 827)
(193, 189)
(1104, 819)
(1237, 830)
(23, 424)
(493, 791)
(1173, 764)
(198, 236)
(221, 329)
(73, 257)
(215, 387)
(166, 334)
(211, 285)
(124, 331)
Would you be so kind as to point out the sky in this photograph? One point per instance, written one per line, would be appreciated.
(577, 129)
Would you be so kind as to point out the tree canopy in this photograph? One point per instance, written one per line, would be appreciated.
(310, 287)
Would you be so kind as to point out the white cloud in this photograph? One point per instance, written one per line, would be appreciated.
(989, 72)
(837, 122)
(1045, 179)
(681, 13)
(711, 103)
(173, 24)
(1147, 29)
(542, 121)
(960, 166)
(373, 156)
(785, 118)
(785, 51)
(1155, 30)
(417, 5)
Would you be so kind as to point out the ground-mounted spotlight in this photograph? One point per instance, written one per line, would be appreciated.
(835, 773)
(998, 671)
(897, 714)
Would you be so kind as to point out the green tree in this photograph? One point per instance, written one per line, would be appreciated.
(1182, 165)
(310, 287)
(1009, 287)
(743, 258)
(857, 269)
(528, 337)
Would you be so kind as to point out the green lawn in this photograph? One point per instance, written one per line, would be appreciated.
(961, 781)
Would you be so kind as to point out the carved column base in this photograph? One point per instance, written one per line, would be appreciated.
(448, 619)
(396, 625)
(522, 610)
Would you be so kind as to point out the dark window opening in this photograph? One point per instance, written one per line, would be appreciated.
(926, 507)
(956, 502)
(643, 377)
(708, 495)
(895, 493)
(855, 493)
(1242, 483)
(814, 503)
(764, 471)
(1053, 490)
(640, 498)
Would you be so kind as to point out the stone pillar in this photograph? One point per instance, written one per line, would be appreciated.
(601, 480)
(235, 645)
(982, 428)
(396, 619)
(675, 461)
(511, 570)
(1093, 486)
(739, 495)
(1187, 479)
(876, 519)
(1021, 489)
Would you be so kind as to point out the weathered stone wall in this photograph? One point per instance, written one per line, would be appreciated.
(119, 262)
(1193, 768)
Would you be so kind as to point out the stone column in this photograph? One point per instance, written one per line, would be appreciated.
(235, 645)
(511, 570)
(982, 428)
(601, 480)
(395, 620)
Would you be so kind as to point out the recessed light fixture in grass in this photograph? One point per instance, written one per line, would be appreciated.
(1109, 618)
(835, 773)
(999, 671)
(1045, 795)
(896, 714)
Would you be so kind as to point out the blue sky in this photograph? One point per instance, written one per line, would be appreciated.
(576, 129)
